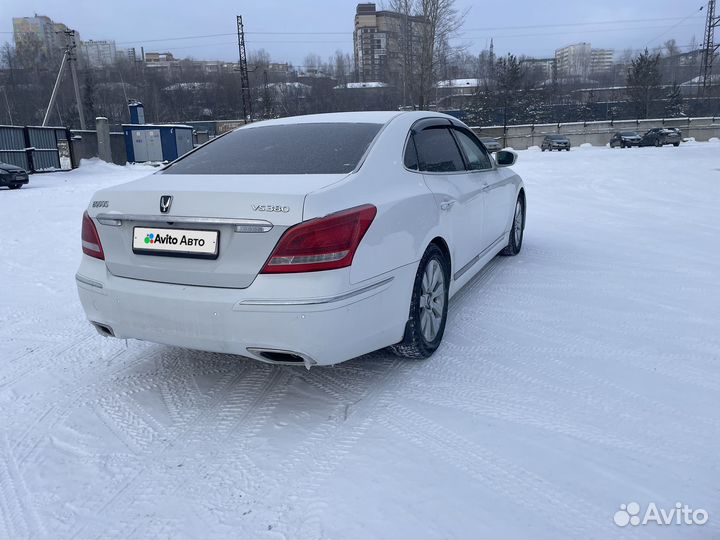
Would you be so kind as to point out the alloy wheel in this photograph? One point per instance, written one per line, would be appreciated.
(432, 300)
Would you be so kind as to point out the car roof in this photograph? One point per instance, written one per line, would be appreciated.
(370, 117)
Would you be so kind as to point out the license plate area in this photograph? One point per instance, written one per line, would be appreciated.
(191, 243)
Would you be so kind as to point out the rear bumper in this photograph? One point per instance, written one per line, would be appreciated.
(321, 327)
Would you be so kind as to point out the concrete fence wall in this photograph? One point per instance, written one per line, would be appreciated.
(597, 133)
(85, 146)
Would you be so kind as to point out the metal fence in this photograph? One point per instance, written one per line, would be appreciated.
(36, 148)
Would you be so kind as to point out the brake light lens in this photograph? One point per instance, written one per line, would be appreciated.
(324, 243)
(90, 240)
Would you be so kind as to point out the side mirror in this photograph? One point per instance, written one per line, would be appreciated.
(505, 158)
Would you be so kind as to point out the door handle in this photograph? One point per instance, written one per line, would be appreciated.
(446, 205)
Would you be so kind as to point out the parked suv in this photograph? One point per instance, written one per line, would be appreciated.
(661, 137)
(12, 176)
(555, 142)
(624, 139)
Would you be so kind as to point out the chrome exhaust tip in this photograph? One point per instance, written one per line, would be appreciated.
(281, 357)
(103, 329)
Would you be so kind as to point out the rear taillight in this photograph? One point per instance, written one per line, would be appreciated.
(90, 240)
(321, 244)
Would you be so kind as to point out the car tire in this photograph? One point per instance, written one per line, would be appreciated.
(676, 144)
(15, 186)
(517, 230)
(428, 307)
(658, 144)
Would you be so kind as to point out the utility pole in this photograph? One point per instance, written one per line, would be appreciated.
(243, 67)
(709, 48)
(55, 88)
(72, 59)
(68, 58)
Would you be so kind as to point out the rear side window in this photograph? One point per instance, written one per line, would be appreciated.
(322, 148)
(477, 157)
(411, 159)
(437, 151)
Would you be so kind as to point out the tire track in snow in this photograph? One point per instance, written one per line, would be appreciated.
(245, 404)
(513, 482)
(313, 461)
(507, 409)
(19, 518)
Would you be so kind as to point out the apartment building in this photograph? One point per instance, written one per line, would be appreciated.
(98, 53)
(581, 60)
(40, 35)
(385, 43)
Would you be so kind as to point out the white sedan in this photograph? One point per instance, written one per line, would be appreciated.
(307, 240)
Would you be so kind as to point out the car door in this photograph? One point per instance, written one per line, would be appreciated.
(497, 189)
(457, 192)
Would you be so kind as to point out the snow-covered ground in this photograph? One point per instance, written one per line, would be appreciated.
(579, 376)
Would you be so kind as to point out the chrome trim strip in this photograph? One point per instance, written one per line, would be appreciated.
(465, 268)
(241, 225)
(88, 281)
(316, 301)
(476, 258)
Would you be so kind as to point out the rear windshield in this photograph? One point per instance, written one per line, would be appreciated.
(557, 137)
(628, 134)
(326, 148)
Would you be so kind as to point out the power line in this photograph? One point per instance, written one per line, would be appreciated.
(488, 28)
(693, 14)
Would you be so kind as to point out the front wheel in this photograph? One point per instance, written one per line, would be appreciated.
(15, 186)
(676, 144)
(428, 307)
(517, 230)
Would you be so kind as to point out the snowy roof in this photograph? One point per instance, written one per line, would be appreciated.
(696, 81)
(190, 86)
(362, 85)
(460, 83)
(298, 85)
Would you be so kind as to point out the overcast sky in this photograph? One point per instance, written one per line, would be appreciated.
(290, 29)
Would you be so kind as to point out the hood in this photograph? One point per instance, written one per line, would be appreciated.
(13, 168)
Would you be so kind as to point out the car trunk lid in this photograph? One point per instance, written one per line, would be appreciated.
(249, 214)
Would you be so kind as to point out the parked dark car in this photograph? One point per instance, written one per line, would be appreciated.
(625, 139)
(661, 137)
(12, 176)
(491, 144)
(555, 142)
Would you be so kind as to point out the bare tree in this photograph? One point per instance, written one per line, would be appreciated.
(424, 44)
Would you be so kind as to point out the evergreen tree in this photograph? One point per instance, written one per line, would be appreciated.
(643, 82)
